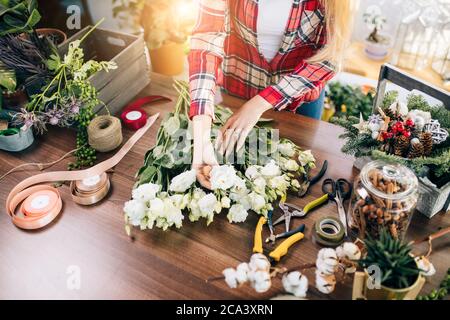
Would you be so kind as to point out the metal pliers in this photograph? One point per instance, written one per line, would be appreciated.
(291, 210)
(274, 237)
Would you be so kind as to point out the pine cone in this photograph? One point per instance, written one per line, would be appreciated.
(401, 146)
(416, 150)
(426, 139)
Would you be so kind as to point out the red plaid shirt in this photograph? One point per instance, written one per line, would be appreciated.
(226, 36)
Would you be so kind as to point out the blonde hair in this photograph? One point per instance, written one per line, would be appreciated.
(339, 18)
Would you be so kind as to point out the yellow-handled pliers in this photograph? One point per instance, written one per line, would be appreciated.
(291, 210)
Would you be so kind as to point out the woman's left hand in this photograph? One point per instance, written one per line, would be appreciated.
(240, 124)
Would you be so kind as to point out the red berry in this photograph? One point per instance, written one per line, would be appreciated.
(409, 123)
(407, 134)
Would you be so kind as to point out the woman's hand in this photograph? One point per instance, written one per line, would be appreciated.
(240, 124)
(204, 156)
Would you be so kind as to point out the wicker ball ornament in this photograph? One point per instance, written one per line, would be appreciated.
(439, 135)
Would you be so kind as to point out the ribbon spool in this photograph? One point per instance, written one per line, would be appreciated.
(105, 133)
(134, 119)
(37, 212)
(91, 190)
(329, 232)
(133, 116)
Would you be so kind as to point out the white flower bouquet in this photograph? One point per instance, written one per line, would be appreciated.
(166, 188)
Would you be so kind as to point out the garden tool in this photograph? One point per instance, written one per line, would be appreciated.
(291, 210)
(258, 243)
(274, 237)
(309, 182)
(283, 248)
(338, 191)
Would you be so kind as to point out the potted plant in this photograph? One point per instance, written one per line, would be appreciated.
(394, 273)
(166, 25)
(10, 96)
(377, 45)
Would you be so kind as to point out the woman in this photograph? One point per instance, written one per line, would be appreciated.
(277, 54)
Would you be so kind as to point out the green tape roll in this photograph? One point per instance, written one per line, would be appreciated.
(329, 230)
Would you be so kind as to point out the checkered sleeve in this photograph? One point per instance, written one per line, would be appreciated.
(206, 55)
(305, 78)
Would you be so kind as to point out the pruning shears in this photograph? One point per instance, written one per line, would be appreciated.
(309, 182)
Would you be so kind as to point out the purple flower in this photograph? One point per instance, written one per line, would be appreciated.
(54, 120)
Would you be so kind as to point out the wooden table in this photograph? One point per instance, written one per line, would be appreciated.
(91, 241)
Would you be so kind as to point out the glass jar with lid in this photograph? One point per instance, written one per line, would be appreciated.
(384, 196)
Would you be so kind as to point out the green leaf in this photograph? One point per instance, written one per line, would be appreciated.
(147, 175)
(8, 80)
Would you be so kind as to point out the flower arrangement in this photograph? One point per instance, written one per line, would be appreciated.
(414, 134)
(166, 186)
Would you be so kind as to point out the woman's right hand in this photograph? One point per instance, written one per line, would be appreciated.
(204, 154)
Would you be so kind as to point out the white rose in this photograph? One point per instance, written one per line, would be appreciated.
(223, 177)
(271, 169)
(207, 204)
(260, 185)
(306, 157)
(183, 182)
(135, 211)
(286, 149)
(177, 200)
(257, 202)
(295, 184)
(172, 214)
(156, 207)
(226, 202)
(296, 284)
(279, 183)
(253, 172)
(292, 165)
(146, 192)
(237, 214)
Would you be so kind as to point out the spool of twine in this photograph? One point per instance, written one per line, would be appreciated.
(105, 133)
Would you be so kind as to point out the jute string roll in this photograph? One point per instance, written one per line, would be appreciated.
(105, 133)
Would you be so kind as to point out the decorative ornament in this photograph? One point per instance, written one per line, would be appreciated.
(362, 125)
(399, 108)
(439, 134)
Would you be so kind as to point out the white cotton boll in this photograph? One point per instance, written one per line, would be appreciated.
(261, 281)
(135, 210)
(325, 283)
(230, 277)
(183, 182)
(349, 250)
(328, 256)
(271, 169)
(242, 272)
(426, 267)
(259, 262)
(325, 268)
(296, 284)
(252, 172)
(145, 192)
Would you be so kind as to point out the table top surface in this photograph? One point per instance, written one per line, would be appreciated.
(91, 241)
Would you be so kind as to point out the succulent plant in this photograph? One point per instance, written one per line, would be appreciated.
(397, 265)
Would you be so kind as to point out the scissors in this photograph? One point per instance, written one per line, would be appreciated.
(339, 191)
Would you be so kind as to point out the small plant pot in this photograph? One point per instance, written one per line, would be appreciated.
(15, 100)
(362, 292)
(57, 36)
(168, 59)
(377, 51)
(17, 142)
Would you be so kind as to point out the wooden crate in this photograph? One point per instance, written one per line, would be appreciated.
(116, 87)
